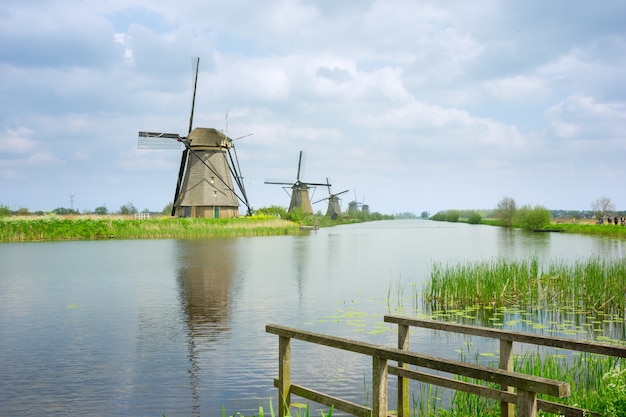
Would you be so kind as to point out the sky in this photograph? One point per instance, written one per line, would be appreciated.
(410, 105)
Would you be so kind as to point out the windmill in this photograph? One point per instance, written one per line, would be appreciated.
(299, 191)
(355, 206)
(204, 187)
(334, 206)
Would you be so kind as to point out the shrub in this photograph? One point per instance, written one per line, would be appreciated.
(452, 216)
(4, 211)
(474, 218)
(533, 219)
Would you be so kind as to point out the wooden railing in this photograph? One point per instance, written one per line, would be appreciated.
(527, 386)
(506, 360)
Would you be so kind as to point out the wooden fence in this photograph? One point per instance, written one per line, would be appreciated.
(506, 357)
(525, 398)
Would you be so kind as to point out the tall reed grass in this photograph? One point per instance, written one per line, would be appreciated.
(48, 228)
(597, 382)
(594, 283)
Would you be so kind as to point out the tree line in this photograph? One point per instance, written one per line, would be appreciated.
(507, 213)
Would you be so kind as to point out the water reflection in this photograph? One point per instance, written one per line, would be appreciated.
(205, 279)
(512, 243)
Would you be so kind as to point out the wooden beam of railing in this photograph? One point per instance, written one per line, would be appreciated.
(329, 401)
(493, 393)
(506, 351)
(522, 382)
(535, 339)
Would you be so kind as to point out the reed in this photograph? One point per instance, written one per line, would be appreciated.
(305, 413)
(48, 228)
(589, 229)
(595, 284)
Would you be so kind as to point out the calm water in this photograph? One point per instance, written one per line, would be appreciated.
(149, 327)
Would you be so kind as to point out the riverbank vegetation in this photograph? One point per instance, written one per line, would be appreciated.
(602, 220)
(583, 299)
(594, 283)
(48, 228)
(266, 222)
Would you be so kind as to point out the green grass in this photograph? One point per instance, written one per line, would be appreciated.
(594, 283)
(49, 228)
(298, 413)
(590, 229)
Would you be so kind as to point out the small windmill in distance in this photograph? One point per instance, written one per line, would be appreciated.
(299, 191)
(334, 206)
(204, 186)
(355, 205)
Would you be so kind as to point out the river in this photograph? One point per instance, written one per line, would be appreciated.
(177, 327)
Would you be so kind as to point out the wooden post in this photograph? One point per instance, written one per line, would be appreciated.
(284, 376)
(379, 387)
(506, 363)
(403, 383)
(526, 403)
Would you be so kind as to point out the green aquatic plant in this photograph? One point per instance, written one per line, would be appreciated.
(272, 413)
(594, 283)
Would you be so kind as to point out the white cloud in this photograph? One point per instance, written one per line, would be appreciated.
(438, 96)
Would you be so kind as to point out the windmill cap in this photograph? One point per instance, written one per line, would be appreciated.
(208, 137)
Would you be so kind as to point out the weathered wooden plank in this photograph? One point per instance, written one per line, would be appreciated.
(551, 341)
(284, 376)
(506, 362)
(454, 384)
(493, 393)
(379, 387)
(504, 377)
(526, 403)
(403, 383)
(329, 401)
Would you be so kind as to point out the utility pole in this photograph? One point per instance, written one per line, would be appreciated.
(72, 202)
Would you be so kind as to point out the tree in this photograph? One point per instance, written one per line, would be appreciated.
(4, 211)
(505, 211)
(425, 215)
(167, 210)
(101, 210)
(128, 208)
(602, 206)
(474, 218)
(64, 210)
(533, 218)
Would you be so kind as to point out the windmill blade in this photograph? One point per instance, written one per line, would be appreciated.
(343, 192)
(299, 165)
(158, 140)
(195, 65)
(314, 184)
(325, 198)
(279, 183)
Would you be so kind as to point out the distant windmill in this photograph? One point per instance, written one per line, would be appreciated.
(299, 191)
(364, 207)
(204, 186)
(334, 205)
(355, 206)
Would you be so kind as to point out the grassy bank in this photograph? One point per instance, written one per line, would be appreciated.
(49, 228)
(580, 227)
